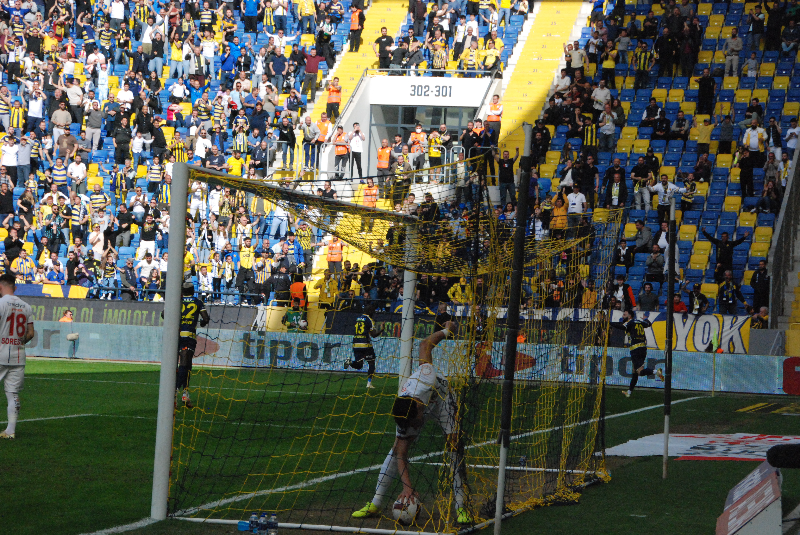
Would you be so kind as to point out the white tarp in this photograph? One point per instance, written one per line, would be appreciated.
(698, 447)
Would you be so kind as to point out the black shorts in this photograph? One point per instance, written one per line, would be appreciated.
(638, 357)
(360, 354)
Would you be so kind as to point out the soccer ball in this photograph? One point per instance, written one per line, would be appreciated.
(302, 324)
(405, 512)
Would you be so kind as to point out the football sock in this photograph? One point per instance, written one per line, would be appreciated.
(457, 466)
(182, 380)
(13, 412)
(386, 478)
(634, 380)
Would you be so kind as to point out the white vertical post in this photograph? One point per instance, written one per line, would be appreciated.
(407, 321)
(169, 355)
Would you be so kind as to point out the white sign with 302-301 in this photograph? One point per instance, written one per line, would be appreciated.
(428, 91)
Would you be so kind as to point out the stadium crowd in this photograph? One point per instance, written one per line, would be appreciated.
(100, 100)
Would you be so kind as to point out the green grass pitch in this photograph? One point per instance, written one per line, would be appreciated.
(83, 458)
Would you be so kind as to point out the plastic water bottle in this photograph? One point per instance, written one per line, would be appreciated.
(262, 524)
(272, 525)
(253, 523)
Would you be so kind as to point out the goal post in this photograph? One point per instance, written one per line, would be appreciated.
(170, 334)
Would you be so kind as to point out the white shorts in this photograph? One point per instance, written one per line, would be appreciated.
(13, 377)
(443, 412)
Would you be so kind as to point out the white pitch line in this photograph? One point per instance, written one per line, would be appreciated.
(253, 424)
(315, 481)
(125, 527)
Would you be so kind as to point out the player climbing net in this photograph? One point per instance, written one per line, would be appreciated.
(283, 425)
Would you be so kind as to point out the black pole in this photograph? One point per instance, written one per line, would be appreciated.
(512, 318)
(670, 327)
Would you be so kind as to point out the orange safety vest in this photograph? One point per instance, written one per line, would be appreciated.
(335, 251)
(323, 129)
(354, 19)
(334, 94)
(341, 149)
(496, 112)
(296, 291)
(416, 141)
(478, 131)
(383, 157)
(371, 196)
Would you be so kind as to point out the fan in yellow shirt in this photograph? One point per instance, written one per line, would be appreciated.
(236, 164)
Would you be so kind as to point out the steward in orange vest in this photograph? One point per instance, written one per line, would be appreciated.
(334, 98)
(356, 26)
(342, 149)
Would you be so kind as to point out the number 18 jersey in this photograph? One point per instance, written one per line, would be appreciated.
(15, 315)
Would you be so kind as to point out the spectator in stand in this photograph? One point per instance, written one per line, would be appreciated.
(724, 252)
(760, 282)
(647, 301)
(644, 238)
(655, 265)
(729, 293)
(698, 303)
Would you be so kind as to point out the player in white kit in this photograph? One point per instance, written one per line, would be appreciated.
(198, 200)
(16, 330)
(425, 396)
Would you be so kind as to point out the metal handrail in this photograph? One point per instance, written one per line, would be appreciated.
(782, 250)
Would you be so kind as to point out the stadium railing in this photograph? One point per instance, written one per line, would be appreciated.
(782, 251)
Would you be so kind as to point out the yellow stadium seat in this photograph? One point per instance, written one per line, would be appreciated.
(668, 170)
(709, 289)
(759, 249)
(732, 203)
(780, 82)
(698, 261)
(630, 231)
(767, 69)
(687, 232)
(719, 57)
(141, 171)
(722, 108)
(600, 215)
(704, 9)
(742, 96)
(725, 32)
(762, 235)
(702, 188)
(705, 56)
(688, 107)
(92, 168)
(734, 175)
(547, 170)
(553, 157)
(730, 82)
(641, 145)
(619, 81)
(694, 134)
(746, 219)
(791, 108)
(675, 95)
(693, 83)
(713, 33)
(761, 94)
(724, 161)
(625, 145)
(715, 21)
(702, 248)
(630, 81)
(659, 94)
(3, 233)
(748, 274)
(629, 132)
(28, 247)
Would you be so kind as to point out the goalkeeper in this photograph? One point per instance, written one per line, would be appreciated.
(425, 396)
(192, 311)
